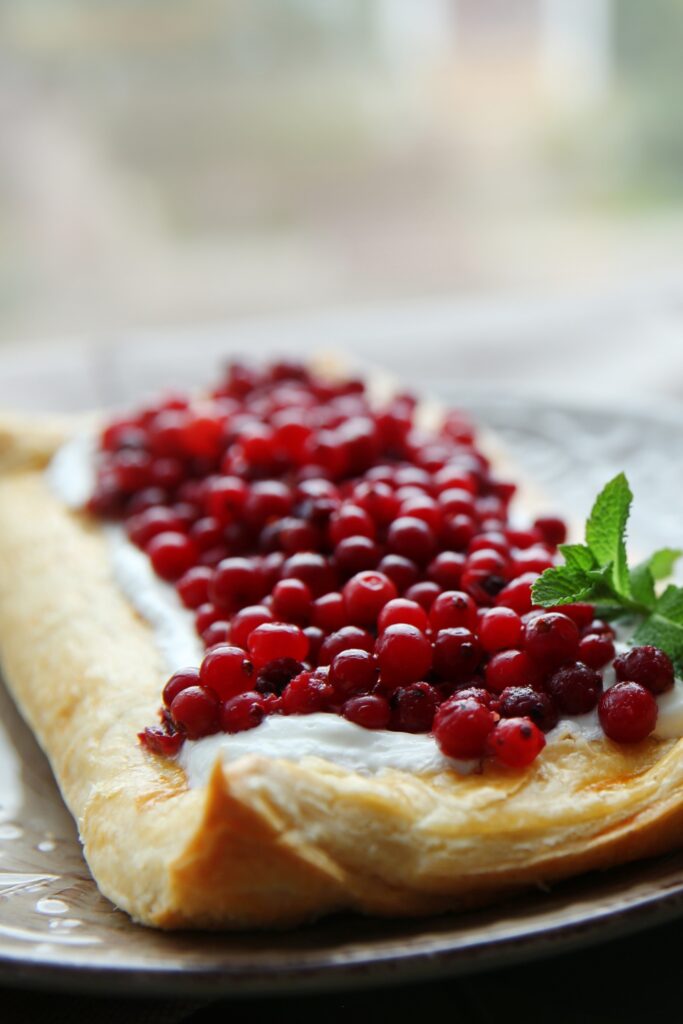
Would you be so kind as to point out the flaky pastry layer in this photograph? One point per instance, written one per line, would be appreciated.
(273, 843)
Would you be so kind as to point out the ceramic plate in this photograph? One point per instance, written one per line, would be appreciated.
(57, 931)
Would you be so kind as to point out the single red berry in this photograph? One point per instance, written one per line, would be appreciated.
(245, 711)
(329, 612)
(575, 688)
(414, 707)
(226, 497)
(171, 555)
(461, 728)
(353, 671)
(245, 621)
(627, 712)
(365, 595)
(551, 639)
(180, 680)
(292, 601)
(275, 675)
(517, 593)
(579, 612)
(193, 586)
(515, 742)
(195, 710)
(411, 538)
(342, 640)
(158, 519)
(226, 671)
(350, 521)
(500, 629)
(523, 702)
(424, 593)
(355, 554)
(453, 609)
(277, 640)
(404, 654)
(646, 665)
(457, 654)
(596, 650)
(552, 529)
(446, 569)
(401, 610)
(313, 569)
(401, 570)
(511, 668)
(217, 633)
(370, 711)
(236, 583)
(307, 693)
(205, 616)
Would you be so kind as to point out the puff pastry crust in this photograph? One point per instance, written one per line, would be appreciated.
(272, 843)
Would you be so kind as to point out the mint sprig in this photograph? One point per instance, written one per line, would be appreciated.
(598, 572)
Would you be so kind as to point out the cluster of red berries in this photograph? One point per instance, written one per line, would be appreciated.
(339, 558)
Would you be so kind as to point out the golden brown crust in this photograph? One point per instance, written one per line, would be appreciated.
(271, 843)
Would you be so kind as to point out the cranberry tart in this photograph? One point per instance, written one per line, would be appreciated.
(278, 642)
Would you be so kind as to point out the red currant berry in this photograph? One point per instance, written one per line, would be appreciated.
(307, 693)
(345, 638)
(353, 671)
(627, 712)
(457, 654)
(453, 609)
(500, 629)
(575, 688)
(402, 610)
(462, 727)
(414, 707)
(517, 594)
(193, 586)
(275, 640)
(404, 654)
(648, 666)
(523, 702)
(226, 671)
(552, 530)
(366, 595)
(424, 593)
(236, 583)
(515, 742)
(551, 639)
(511, 668)
(411, 538)
(195, 710)
(245, 621)
(171, 555)
(596, 650)
(245, 711)
(180, 680)
(371, 711)
(292, 601)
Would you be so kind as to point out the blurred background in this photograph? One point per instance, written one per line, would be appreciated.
(495, 185)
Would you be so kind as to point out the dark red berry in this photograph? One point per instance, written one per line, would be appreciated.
(517, 593)
(627, 712)
(412, 538)
(245, 621)
(404, 654)
(402, 610)
(180, 680)
(171, 554)
(500, 629)
(366, 595)
(193, 586)
(457, 654)
(157, 740)
(195, 711)
(342, 640)
(274, 640)
(596, 650)
(292, 601)
(452, 610)
(236, 583)
(424, 593)
(245, 711)
(575, 688)
(307, 693)
(226, 671)
(552, 529)
(511, 668)
(648, 666)
(414, 707)
(329, 612)
(274, 676)
(523, 702)
(353, 671)
(371, 711)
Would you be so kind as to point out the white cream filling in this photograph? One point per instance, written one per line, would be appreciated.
(71, 476)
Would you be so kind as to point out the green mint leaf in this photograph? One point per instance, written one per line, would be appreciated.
(578, 556)
(662, 562)
(664, 627)
(561, 585)
(643, 585)
(606, 530)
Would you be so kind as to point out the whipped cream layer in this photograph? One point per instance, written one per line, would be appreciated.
(71, 476)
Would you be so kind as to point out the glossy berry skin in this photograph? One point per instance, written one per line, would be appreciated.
(500, 629)
(171, 555)
(551, 639)
(596, 650)
(329, 612)
(245, 711)
(462, 727)
(511, 668)
(457, 654)
(193, 586)
(523, 702)
(402, 571)
(401, 610)
(575, 688)
(195, 711)
(342, 640)
(275, 640)
(180, 680)
(245, 621)
(627, 712)
(413, 707)
(412, 538)
(517, 593)
(292, 601)
(226, 671)
(648, 666)
(365, 596)
(404, 654)
(236, 583)
(424, 593)
(371, 711)
(453, 609)
(353, 671)
(515, 742)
